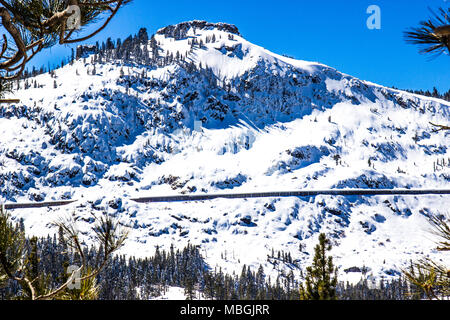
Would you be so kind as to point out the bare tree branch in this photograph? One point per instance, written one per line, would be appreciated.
(439, 127)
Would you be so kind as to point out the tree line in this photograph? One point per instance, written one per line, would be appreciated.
(433, 93)
(130, 278)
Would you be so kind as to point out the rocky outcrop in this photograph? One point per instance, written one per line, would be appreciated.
(83, 51)
(179, 31)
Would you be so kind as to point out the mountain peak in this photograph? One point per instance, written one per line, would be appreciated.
(179, 31)
(197, 116)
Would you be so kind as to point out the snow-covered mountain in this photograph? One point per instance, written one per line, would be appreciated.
(203, 110)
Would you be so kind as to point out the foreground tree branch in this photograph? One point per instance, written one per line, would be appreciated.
(433, 35)
(429, 276)
(439, 127)
(33, 25)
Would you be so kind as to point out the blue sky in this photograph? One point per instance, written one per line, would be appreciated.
(327, 31)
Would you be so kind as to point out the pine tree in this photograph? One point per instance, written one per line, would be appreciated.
(72, 56)
(142, 36)
(40, 280)
(321, 276)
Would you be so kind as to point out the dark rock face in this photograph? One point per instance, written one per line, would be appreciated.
(352, 269)
(83, 51)
(179, 31)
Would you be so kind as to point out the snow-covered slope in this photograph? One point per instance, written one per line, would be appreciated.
(211, 112)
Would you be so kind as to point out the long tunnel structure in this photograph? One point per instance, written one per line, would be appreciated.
(302, 193)
(277, 194)
(10, 206)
